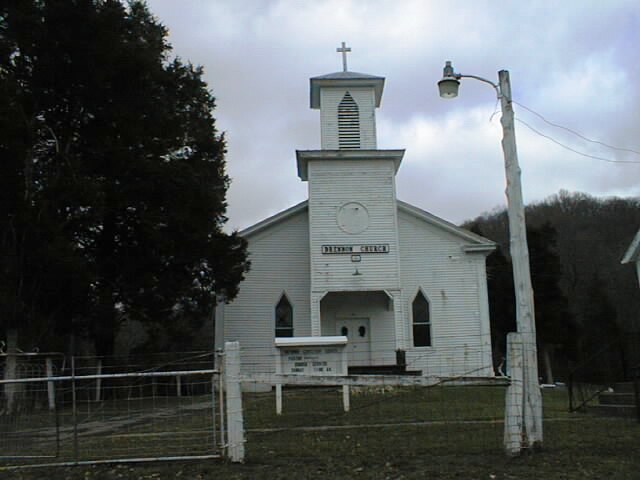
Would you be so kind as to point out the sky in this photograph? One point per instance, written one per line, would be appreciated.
(572, 63)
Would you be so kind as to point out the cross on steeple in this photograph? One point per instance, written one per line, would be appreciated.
(344, 49)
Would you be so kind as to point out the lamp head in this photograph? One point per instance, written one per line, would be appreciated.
(449, 84)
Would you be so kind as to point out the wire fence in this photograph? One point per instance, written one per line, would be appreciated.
(389, 398)
(58, 410)
(93, 410)
(449, 407)
(608, 378)
(461, 355)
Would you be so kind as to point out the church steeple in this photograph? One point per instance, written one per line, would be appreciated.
(347, 102)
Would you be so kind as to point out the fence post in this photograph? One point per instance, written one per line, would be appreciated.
(636, 390)
(51, 389)
(235, 422)
(570, 386)
(98, 380)
(221, 377)
(346, 404)
(514, 399)
(74, 407)
(279, 385)
(11, 390)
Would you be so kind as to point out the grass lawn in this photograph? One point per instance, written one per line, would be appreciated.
(443, 433)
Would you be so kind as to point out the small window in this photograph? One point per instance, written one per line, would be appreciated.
(348, 123)
(284, 318)
(421, 322)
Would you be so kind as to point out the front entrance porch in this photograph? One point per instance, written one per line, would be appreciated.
(367, 319)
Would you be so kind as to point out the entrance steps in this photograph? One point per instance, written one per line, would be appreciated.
(382, 370)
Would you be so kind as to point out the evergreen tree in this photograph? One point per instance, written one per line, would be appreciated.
(553, 322)
(600, 341)
(113, 174)
(501, 299)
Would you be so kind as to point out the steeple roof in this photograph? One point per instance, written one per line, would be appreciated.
(345, 79)
(346, 75)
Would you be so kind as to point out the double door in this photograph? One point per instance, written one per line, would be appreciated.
(358, 335)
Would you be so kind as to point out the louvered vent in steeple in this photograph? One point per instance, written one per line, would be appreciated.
(348, 123)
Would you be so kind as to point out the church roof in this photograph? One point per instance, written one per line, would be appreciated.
(633, 252)
(477, 243)
(345, 79)
(347, 75)
(274, 219)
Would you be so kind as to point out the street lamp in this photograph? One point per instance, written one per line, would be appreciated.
(532, 399)
(450, 82)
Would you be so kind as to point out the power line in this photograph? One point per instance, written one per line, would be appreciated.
(609, 160)
(630, 150)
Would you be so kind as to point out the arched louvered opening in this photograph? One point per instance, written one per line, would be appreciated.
(284, 318)
(348, 123)
(421, 321)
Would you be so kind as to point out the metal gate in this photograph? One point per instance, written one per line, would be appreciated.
(87, 410)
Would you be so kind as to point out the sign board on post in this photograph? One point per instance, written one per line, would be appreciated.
(311, 356)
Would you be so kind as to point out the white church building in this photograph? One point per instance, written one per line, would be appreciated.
(408, 289)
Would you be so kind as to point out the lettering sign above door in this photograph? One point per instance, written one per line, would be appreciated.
(358, 249)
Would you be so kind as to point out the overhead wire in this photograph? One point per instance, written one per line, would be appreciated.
(557, 142)
(595, 157)
(621, 149)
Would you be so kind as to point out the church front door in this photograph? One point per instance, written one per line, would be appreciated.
(359, 339)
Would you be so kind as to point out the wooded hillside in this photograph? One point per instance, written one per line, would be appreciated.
(576, 242)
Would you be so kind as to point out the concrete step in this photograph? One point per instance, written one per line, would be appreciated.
(615, 398)
(628, 411)
(382, 370)
(623, 387)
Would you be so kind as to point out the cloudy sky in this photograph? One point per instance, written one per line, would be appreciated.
(573, 62)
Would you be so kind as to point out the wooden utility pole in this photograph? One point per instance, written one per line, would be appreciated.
(525, 399)
(525, 315)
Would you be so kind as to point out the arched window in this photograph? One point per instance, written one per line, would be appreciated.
(348, 123)
(421, 321)
(284, 318)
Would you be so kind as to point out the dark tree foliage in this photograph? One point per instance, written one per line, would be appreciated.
(112, 176)
(501, 299)
(576, 238)
(554, 324)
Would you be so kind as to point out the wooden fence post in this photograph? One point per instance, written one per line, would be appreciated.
(278, 385)
(11, 390)
(51, 389)
(514, 400)
(235, 422)
(98, 380)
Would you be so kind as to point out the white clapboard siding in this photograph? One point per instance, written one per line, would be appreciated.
(432, 259)
(279, 263)
(454, 283)
(330, 98)
(333, 183)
